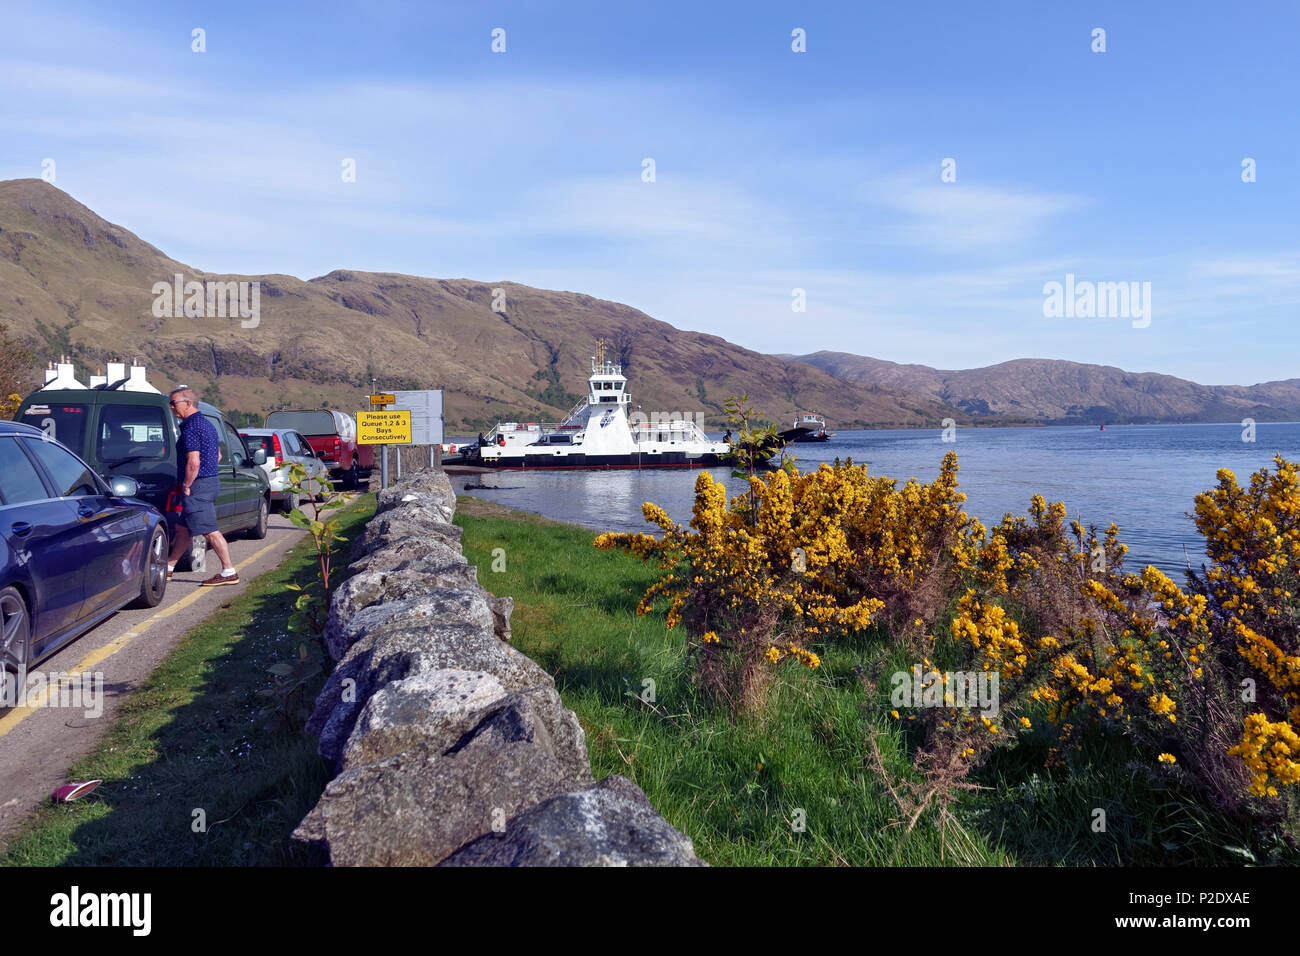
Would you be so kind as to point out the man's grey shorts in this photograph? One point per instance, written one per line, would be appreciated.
(199, 507)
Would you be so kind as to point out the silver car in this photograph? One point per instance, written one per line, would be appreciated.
(285, 447)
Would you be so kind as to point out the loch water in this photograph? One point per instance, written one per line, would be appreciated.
(1143, 477)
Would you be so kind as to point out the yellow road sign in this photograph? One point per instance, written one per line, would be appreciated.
(382, 399)
(384, 428)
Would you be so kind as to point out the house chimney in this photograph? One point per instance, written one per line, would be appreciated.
(137, 382)
(65, 376)
(50, 373)
(98, 379)
(116, 372)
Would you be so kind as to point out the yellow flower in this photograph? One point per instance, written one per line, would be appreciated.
(773, 654)
(710, 637)
(1167, 758)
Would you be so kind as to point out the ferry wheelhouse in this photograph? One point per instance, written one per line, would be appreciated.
(600, 433)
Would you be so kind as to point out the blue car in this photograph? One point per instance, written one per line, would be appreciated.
(73, 548)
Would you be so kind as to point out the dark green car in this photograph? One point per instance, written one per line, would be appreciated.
(134, 434)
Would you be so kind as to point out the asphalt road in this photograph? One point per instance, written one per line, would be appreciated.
(38, 744)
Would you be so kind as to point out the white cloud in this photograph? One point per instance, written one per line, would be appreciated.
(959, 216)
(1283, 270)
(537, 179)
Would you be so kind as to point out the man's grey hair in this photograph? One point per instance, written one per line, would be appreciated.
(186, 394)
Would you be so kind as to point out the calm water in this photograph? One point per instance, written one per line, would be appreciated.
(1142, 477)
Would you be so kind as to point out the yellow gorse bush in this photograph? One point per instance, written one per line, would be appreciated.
(1044, 605)
(1253, 539)
(820, 555)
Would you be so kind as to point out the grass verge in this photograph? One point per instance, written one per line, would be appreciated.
(802, 786)
(203, 734)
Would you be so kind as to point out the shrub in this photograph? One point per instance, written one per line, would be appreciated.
(1205, 681)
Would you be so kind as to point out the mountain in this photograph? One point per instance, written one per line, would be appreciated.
(73, 283)
(1066, 393)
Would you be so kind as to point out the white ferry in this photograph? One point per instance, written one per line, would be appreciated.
(808, 428)
(599, 433)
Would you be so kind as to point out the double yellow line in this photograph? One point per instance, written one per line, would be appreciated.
(18, 714)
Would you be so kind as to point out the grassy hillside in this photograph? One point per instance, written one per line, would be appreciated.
(73, 283)
(1069, 392)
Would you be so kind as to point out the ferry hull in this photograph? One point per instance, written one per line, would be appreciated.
(639, 460)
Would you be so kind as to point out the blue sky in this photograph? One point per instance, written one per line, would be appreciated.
(775, 170)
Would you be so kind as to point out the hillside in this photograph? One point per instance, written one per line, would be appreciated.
(1058, 392)
(74, 283)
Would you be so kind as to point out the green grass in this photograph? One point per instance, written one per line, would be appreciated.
(736, 789)
(200, 734)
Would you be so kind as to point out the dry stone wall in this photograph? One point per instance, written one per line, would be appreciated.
(450, 746)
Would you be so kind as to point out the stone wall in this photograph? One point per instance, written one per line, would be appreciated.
(450, 746)
(413, 457)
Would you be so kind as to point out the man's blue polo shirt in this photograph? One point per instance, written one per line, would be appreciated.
(197, 434)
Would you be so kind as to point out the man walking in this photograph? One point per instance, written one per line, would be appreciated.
(197, 454)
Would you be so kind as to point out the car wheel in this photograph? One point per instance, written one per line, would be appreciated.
(258, 530)
(351, 478)
(290, 502)
(15, 632)
(153, 582)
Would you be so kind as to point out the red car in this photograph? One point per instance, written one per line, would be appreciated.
(333, 436)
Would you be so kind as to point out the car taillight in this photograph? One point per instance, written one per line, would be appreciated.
(173, 505)
(275, 444)
(336, 444)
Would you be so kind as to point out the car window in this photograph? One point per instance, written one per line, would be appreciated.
(223, 444)
(239, 455)
(64, 423)
(263, 442)
(130, 431)
(317, 422)
(300, 446)
(19, 480)
(71, 478)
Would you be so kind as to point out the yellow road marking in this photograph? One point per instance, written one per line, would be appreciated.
(18, 714)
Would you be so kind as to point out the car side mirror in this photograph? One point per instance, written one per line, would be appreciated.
(259, 456)
(124, 487)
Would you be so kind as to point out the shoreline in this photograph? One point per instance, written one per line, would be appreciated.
(1017, 424)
